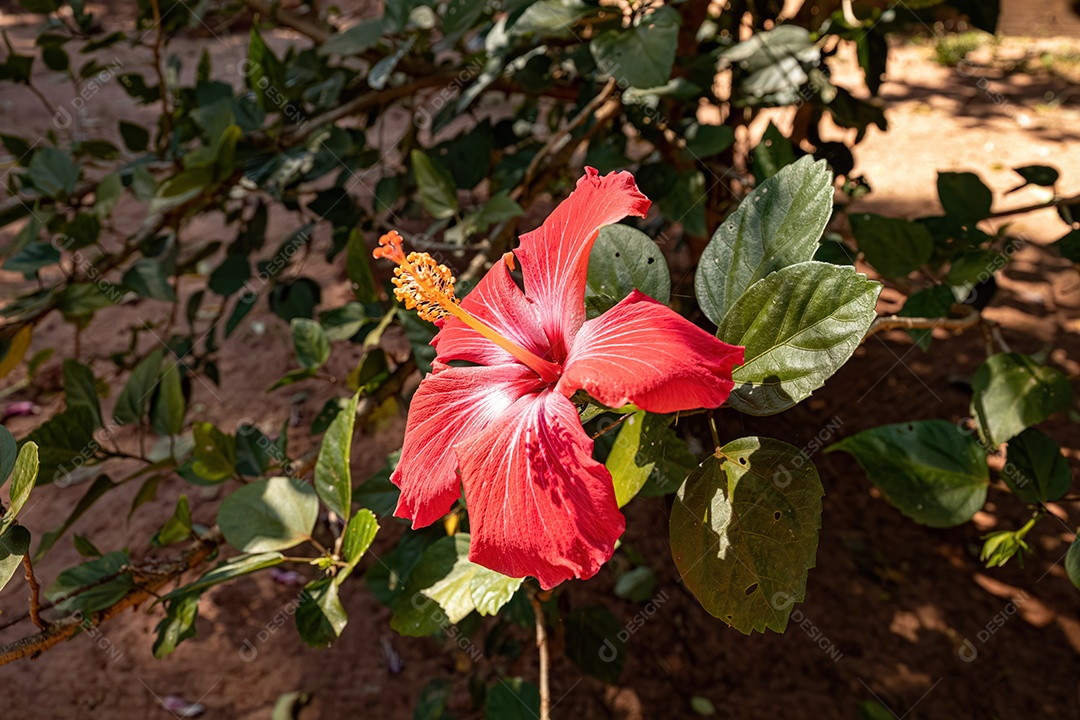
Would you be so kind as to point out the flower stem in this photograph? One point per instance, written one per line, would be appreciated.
(541, 644)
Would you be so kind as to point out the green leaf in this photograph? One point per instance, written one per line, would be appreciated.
(178, 624)
(461, 15)
(265, 74)
(646, 447)
(106, 574)
(359, 534)
(108, 192)
(1035, 469)
(893, 246)
(149, 279)
(964, 196)
(513, 699)
(1072, 563)
(14, 544)
(8, 451)
(169, 406)
(445, 587)
(136, 137)
(636, 585)
(214, 455)
(1043, 175)
(929, 302)
(641, 56)
(80, 388)
(378, 493)
(228, 570)
(84, 547)
(354, 40)
(65, 443)
(310, 342)
(358, 268)
(80, 300)
(320, 616)
(177, 528)
(53, 172)
(134, 398)
(704, 141)
(686, 202)
(971, 268)
(799, 325)
(776, 225)
(1012, 392)
(272, 514)
(22, 482)
(930, 470)
(622, 259)
(773, 153)
(491, 590)
(438, 192)
(333, 480)
(744, 532)
(595, 642)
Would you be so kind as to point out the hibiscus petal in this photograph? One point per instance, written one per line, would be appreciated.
(644, 353)
(554, 257)
(538, 503)
(499, 303)
(450, 405)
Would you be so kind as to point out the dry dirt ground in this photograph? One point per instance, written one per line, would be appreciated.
(894, 611)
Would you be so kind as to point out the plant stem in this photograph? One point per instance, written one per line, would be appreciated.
(541, 645)
(712, 428)
(35, 594)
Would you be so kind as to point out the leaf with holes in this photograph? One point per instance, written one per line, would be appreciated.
(641, 56)
(776, 225)
(622, 259)
(744, 532)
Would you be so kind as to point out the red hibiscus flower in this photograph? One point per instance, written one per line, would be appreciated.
(504, 426)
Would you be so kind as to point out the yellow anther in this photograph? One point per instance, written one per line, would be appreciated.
(424, 284)
(428, 287)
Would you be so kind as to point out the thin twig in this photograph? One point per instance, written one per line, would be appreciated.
(551, 145)
(67, 627)
(35, 594)
(163, 88)
(541, 645)
(1037, 206)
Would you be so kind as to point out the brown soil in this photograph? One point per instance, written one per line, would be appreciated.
(888, 608)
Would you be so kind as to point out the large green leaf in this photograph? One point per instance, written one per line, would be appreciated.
(930, 470)
(647, 447)
(641, 56)
(320, 616)
(438, 192)
(333, 480)
(445, 587)
(513, 699)
(65, 443)
(1035, 470)
(776, 225)
(272, 514)
(744, 532)
(622, 259)
(893, 246)
(799, 325)
(214, 453)
(1013, 392)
